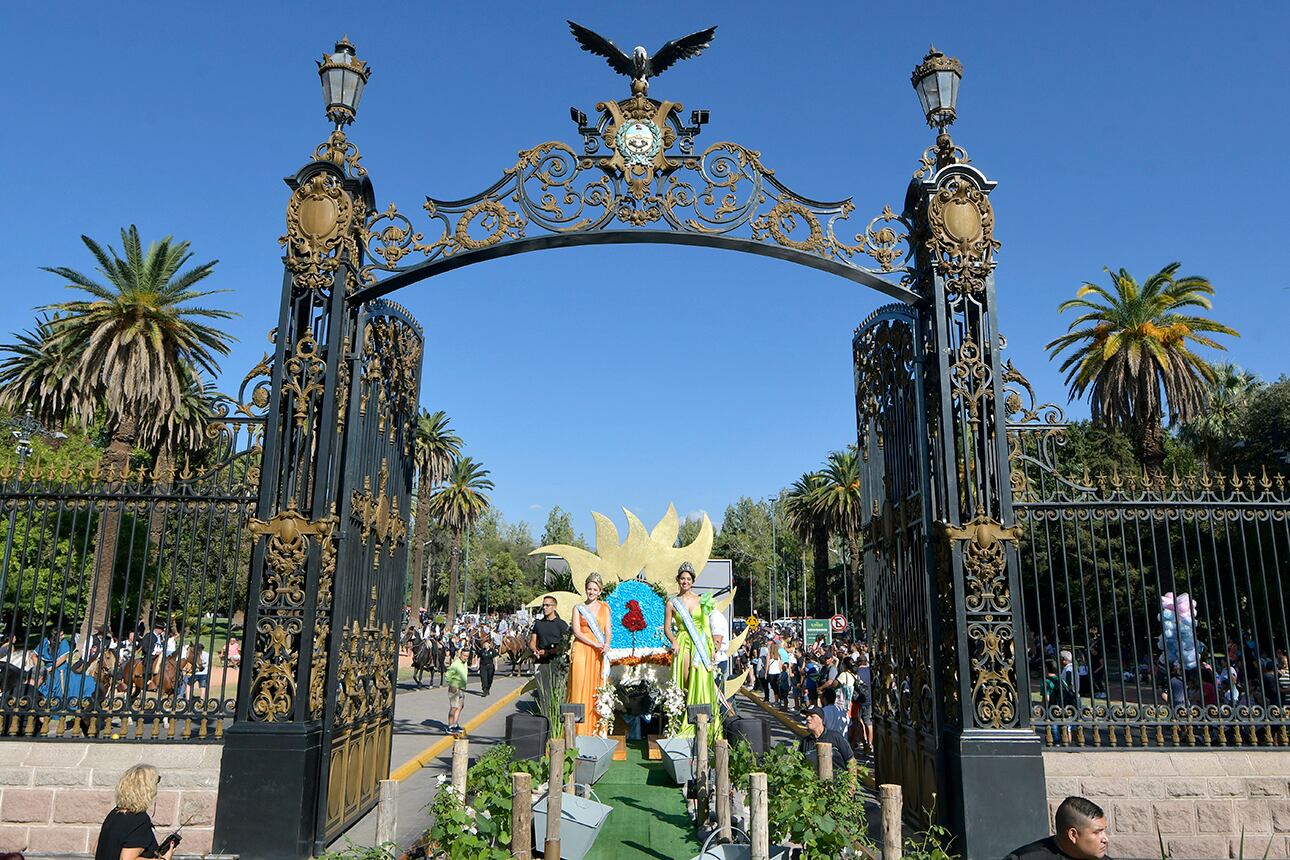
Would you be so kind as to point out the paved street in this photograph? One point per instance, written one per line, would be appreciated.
(420, 721)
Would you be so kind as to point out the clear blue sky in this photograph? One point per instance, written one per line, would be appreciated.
(1123, 134)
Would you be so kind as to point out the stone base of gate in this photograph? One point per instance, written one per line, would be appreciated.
(55, 794)
(1199, 799)
(268, 790)
(994, 791)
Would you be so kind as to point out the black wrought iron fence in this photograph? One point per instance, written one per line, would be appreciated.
(1155, 604)
(123, 593)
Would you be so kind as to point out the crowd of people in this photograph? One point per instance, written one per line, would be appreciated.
(833, 681)
(151, 657)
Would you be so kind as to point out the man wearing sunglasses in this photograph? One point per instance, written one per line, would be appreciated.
(550, 633)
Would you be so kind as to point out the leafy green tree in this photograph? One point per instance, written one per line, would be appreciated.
(457, 505)
(1227, 399)
(437, 447)
(559, 530)
(1264, 435)
(122, 353)
(1130, 352)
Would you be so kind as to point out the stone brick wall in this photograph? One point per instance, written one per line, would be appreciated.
(54, 794)
(1199, 799)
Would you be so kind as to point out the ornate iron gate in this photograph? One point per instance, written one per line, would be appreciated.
(362, 613)
(891, 417)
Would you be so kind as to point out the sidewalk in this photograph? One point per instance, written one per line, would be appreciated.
(419, 723)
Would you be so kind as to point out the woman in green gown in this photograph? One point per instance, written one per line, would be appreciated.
(692, 650)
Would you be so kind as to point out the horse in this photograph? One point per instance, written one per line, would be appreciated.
(164, 679)
(411, 640)
(515, 648)
(428, 654)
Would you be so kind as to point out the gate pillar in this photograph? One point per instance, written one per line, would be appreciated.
(994, 795)
(271, 769)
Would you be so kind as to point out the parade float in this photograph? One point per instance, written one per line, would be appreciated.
(638, 697)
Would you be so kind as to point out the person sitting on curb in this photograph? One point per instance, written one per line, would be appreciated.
(1081, 834)
(456, 678)
(817, 734)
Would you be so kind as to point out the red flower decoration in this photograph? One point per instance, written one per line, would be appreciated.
(634, 620)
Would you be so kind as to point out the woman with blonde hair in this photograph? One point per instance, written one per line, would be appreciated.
(126, 833)
(588, 665)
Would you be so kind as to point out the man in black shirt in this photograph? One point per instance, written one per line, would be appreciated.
(550, 632)
(1081, 834)
(817, 734)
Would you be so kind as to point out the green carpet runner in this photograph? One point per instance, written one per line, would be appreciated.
(649, 818)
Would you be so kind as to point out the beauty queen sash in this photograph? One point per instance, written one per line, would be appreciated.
(678, 607)
(589, 621)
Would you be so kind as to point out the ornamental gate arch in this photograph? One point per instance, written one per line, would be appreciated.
(315, 710)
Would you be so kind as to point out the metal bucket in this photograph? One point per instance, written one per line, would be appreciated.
(678, 758)
(738, 851)
(580, 823)
(595, 755)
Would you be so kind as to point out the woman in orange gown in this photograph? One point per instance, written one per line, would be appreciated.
(587, 661)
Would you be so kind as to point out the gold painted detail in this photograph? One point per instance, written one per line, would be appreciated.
(970, 379)
(277, 655)
(622, 180)
(340, 151)
(366, 671)
(282, 600)
(984, 562)
(961, 239)
(320, 215)
(392, 361)
(286, 553)
(379, 515)
(988, 602)
(305, 377)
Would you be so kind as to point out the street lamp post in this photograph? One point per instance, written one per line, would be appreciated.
(936, 80)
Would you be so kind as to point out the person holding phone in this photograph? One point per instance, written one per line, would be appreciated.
(127, 833)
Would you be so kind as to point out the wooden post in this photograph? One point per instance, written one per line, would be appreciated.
(701, 765)
(889, 798)
(570, 732)
(522, 816)
(824, 761)
(387, 812)
(723, 789)
(554, 791)
(759, 812)
(460, 763)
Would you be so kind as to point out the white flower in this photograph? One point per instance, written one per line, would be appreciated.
(486, 813)
(472, 830)
(442, 779)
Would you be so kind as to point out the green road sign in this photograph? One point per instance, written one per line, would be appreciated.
(814, 627)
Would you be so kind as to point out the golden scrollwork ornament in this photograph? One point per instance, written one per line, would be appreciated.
(961, 238)
(320, 215)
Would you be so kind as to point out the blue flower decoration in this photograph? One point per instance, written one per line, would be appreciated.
(651, 607)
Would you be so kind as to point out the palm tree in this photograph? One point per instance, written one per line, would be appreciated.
(457, 505)
(1130, 353)
(801, 504)
(436, 450)
(1226, 399)
(840, 504)
(40, 373)
(124, 350)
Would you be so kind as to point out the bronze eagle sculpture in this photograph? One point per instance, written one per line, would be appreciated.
(641, 66)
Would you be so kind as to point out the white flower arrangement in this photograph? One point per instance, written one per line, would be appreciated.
(673, 707)
(606, 704)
